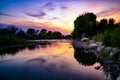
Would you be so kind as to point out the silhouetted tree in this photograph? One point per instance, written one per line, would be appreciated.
(103, 25)
(32, 33)
(50, 35)
(57, 35)
(111, 24)
(85, 23)
(12, 29)
(4, 32)
(21, 34)
(42, 34)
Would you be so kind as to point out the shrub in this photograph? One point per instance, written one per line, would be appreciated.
(107, 38)
(98, 37)
(116, 37)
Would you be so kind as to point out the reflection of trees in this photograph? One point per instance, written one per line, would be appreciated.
(11, 51)
(14, 50)
(110, 68)
(86, 59)
(32, 47)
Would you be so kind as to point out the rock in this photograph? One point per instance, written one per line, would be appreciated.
(118, 78)
(114, 51)
(107, 50)
(91, 41)
(93, 45)
(99, 43)
(100, 48)
(84, 39)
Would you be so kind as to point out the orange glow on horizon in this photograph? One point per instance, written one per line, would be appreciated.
(48, 26)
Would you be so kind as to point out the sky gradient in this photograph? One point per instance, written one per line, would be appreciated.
(56, 15)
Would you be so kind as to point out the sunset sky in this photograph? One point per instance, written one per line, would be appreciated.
(57, 15)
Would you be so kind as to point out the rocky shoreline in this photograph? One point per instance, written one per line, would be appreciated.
(105, 55)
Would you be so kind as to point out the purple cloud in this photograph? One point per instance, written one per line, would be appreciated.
(63, 7)
(49, 6)
(38, 15)
(108, 12)
(4, 14)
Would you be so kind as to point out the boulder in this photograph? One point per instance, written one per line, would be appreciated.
(93, 45)
(91, 41)
(84, 39)
(107, 50)
(114, 51)
(100, 48)
(118, 78)
(99, 43)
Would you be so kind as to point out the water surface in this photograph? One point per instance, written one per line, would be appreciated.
(56, 61)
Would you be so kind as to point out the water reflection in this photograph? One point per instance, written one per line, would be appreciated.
(83, 58)
(110, 69)
(56, 61)
(11, 51)
(14, 50)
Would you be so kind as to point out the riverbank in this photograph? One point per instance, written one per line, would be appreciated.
(108, 57)
(90, 46)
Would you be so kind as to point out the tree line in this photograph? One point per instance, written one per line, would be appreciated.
(31, 33)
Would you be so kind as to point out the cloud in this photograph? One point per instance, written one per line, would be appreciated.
(58, 19)
(49, 6)
(63, 7)
(42, 11)
(108, 12)
(4, 14)
(38, 15)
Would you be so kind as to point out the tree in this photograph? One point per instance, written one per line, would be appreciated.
(111, 24)
(12, 29)
(32, 33)
(103, 25)
(85, 23)
(57, 35)
(42, 34)
(50, 35)
(21, 34)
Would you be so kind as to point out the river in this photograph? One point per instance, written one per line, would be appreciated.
(56, 61)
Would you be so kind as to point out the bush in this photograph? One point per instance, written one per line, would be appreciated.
(112, 38)
(98, 37)
(107, 38)
(116, 37)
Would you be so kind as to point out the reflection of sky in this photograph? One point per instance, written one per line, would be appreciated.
(54, 62)
(54, 14)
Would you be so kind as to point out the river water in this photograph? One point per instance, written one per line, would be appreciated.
(56, 61)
